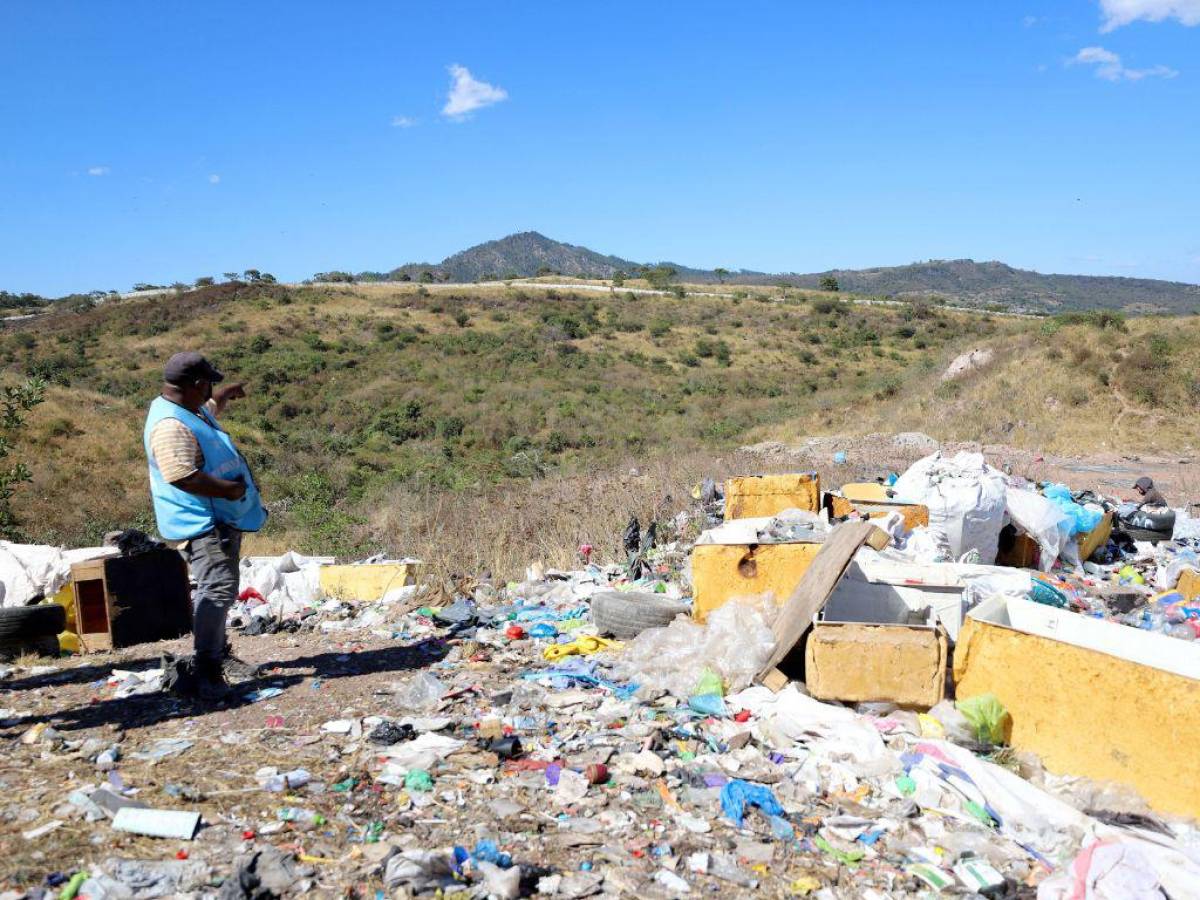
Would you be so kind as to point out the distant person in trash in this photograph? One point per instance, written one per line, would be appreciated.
(1148, 494)
(204, 499)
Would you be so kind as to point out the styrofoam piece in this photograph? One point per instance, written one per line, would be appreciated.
(872, 584)
(163, 823)
(1148, 648)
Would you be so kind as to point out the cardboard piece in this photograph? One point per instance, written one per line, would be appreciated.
(822, 576)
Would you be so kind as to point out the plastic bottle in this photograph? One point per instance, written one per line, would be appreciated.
(293, 779)
(1182, 631)
(298, 814)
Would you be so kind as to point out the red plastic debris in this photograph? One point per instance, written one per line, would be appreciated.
(248, 835)
(514, 632)
(742, 715)
(181, 854)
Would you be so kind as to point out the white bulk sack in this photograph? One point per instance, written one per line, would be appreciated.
(965, 497)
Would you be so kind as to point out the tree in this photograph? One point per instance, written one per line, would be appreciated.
(230, 276)
(15, 401)
(721, 274)
(618, 278)
(660, 277)
(426, 277)
(205, 281)
(252, 275)
(829, 283)
(542, 270)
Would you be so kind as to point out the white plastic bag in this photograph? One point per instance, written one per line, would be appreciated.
(735, 642)
(1186, 528)
(1042, 520)
(965, 497)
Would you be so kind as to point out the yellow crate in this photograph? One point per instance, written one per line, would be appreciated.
(768, 495)
(723, 572)
(1090, 713)
(366, 582)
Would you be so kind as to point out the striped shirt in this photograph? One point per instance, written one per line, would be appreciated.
(176, 451)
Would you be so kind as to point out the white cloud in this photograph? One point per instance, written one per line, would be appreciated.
(214, 179)
(403, 122)
(467, 94)
(1110, 68)
(99, 170)
(1122, 12)
(1030, 21)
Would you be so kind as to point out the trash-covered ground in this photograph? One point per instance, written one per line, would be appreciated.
(388, 747)
(482, 738)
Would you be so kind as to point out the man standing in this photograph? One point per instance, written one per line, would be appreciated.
(204, 499)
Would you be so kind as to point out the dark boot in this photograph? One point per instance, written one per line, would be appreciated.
(211, 686)
(235, 669)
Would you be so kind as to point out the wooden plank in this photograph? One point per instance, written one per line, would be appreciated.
(814, 588)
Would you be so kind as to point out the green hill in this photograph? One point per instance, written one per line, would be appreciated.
(962, 281)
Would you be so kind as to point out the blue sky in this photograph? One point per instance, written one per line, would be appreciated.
(159, 141)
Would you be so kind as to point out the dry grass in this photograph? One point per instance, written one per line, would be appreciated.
(1074, 391)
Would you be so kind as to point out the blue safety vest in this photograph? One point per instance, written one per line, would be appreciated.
(181, 515)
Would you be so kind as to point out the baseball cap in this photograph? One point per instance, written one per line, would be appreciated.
(1143, 483)
(189, 366)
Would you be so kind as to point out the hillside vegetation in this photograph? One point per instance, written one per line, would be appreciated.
(963, 281)
(484, 421)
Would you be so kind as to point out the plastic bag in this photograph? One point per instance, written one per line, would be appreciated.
(987, 716)
(1083, 519)
(1044, 520)
(421, 693)
(955, 726)
(1014, 583)
(1186, 528)
(734, 643)
(738, 794)
(965, 497)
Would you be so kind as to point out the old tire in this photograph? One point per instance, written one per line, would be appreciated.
(626, 614)
(24, 623)
(46, 645)
(1144, 525)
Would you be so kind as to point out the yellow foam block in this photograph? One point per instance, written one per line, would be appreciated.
(869, 491)
(857, 662)
(768, 495)
(1090, 713)
(366, 582)
(722, 572)
(1189, 584)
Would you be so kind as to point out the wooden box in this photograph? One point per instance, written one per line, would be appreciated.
(125, 600)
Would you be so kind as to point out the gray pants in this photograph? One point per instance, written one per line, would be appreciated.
(213, 560)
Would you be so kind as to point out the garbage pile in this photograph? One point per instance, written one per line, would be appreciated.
(579, 734)
(537, 757)
(1129, 577)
